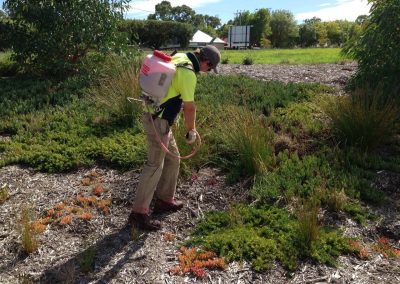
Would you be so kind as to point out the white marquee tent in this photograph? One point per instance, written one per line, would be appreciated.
(201, 39)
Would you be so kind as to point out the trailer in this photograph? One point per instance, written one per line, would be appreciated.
(239, 37)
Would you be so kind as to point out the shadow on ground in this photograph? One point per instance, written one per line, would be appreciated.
(96, 258)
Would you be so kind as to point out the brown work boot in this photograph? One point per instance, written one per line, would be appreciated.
(164, 207)
(143, 222)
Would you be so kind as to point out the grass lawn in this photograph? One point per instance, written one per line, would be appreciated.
(280, 56)
(285, 56)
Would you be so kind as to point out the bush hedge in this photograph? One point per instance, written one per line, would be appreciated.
(155, 34)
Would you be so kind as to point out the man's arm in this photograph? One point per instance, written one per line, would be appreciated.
(189, 112)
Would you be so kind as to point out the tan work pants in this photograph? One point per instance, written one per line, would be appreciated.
(160, 174)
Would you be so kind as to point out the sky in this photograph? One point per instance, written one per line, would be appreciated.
(327, 10)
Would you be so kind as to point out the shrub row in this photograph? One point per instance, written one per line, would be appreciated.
(155, 34)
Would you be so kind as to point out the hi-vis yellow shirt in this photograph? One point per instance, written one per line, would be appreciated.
(182, 88)
(184, 81)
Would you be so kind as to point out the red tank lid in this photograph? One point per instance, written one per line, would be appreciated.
(162, 55)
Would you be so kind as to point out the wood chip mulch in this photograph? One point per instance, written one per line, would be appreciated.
(123, 256)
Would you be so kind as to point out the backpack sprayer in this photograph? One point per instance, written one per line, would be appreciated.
(155, 78)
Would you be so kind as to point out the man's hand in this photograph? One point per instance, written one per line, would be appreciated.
(191, 137)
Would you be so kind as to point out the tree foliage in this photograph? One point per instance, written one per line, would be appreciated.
(284, 29)
(260, 22)
(184, 14)
(308, 32)
(154, 33)
(5, 31)
(315, 32)
(261, 28)
(3, 15)
(52, 36)
(378, 49)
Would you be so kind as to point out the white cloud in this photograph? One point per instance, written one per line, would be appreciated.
(145, 7)
(325, 4)
(341, 10)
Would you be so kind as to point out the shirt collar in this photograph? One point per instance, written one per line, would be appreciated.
(195, 61)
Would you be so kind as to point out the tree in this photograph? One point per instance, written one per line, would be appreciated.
(223, 31)
(163, 11)
(184, 14)
(308, 32)
(5, 32)
(211, 21)
(334, 33)
(377, 50)
(259, 20)
(52, 36)
(284, 29)
(3, 15)
(322, 33)
(261, 28)
(361, 19)
(243, 18)
(348, 31)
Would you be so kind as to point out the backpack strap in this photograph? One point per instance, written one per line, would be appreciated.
(185, 65)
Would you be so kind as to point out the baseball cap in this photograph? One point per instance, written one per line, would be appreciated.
(212, 54)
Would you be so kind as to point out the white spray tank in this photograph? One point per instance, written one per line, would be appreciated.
(156, 75)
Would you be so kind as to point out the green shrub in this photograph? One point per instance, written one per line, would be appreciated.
(262, 236)
(225, 60)
(372, 195)
(335, 200)
(24, 95)
(307, 216)
(60, 139)
(377, 49)
(154, 33)
(357, 212)
(215, 106)
(296, 176)
(250, 141)
(364, 119)
(300, 119)
(8, 68)
(247, 61)
(112, 93)
(52, 36)
(5, 32)
(330, 245)
(253, 94)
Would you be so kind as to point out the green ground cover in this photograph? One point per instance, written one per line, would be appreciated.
(7, 67)
(285, 56)
(277, 136)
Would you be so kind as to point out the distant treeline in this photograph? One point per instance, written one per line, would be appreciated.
(270, 28)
